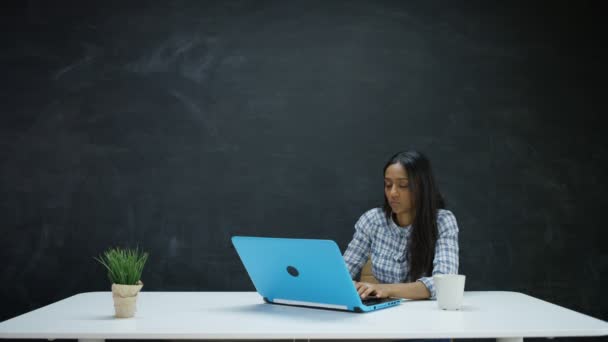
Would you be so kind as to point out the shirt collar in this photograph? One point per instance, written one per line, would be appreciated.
(396, 229)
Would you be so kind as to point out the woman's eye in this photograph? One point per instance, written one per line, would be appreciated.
(404, 186)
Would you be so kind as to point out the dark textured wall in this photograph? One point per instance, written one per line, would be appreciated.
(175, 125)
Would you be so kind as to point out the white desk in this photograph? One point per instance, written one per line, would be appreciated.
(507, 316)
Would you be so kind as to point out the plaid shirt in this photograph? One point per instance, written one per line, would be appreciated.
(387, 243)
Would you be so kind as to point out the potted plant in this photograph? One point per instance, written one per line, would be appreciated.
(124, 270)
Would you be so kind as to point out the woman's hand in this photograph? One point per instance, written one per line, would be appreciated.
(371, 290)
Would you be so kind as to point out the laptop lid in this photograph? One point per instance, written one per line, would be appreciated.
(304, 272)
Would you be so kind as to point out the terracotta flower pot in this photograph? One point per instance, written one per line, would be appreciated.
(125, 299)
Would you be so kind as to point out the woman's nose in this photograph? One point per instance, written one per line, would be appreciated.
(394, 191)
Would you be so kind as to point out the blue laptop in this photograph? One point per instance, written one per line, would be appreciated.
(303, 272)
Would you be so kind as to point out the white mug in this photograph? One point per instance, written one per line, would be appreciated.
(449, 289)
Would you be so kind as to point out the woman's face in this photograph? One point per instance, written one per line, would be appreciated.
(396, 188)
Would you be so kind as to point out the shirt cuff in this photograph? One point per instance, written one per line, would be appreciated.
(430, 285)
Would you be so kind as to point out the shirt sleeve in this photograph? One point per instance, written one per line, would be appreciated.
(446, 250)
(358, 250)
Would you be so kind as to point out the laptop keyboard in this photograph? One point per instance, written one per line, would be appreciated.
(374, 301)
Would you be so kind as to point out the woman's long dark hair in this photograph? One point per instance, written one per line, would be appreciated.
(426, 200)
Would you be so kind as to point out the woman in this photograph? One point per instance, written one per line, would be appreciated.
(410, 238)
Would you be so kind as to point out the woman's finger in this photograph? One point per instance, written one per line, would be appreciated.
(368, 291)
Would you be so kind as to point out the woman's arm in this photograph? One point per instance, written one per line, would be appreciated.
(446, 250)
(358, 251)
(415, 290)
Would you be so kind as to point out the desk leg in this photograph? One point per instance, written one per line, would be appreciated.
(510, 339)
(91, 340)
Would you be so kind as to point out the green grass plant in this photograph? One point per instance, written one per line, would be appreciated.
(124, 265)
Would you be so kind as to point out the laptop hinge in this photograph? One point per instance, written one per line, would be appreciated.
(313, 304)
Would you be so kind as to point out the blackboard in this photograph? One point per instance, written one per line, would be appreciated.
(175, 125)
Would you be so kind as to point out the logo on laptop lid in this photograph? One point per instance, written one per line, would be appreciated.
(292, 271)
